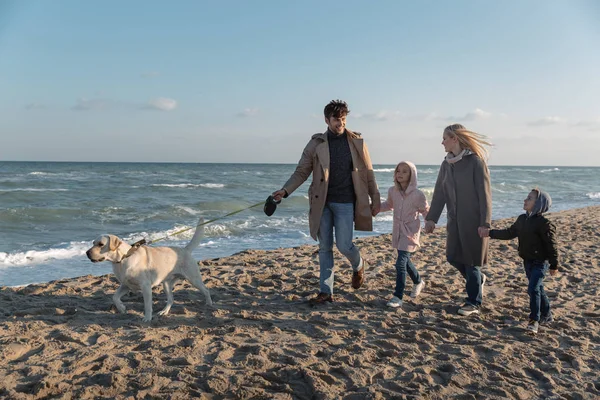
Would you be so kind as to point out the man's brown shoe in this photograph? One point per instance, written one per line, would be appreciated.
(321, 298)
(358, 277)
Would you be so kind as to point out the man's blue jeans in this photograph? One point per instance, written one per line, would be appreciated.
(341, 217)
(538, 301)
(404, 265)
(472, 273)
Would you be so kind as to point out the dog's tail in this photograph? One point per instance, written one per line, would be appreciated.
(198, 235)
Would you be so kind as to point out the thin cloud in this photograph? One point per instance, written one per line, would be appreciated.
(35, 106)
(248, 112)
(593, 125)
(476, 114)
(150, 74)
(161, 104)
(432, 116)
(85, 104)
(382, 115)
(547, 121)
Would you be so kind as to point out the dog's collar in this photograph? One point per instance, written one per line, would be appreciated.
(132, 250)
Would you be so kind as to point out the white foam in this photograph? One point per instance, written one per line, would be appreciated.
(549, 170)
(33, 190)
(37, 257)
(383, 169)
(191, 185)
(189, 210)
(595, 196)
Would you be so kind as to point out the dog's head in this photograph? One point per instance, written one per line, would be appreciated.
(105, 248)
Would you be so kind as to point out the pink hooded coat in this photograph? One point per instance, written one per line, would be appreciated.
(406, 205)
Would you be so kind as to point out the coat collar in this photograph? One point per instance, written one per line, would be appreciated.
(356, 149)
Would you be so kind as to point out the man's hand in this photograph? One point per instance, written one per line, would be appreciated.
(429, 226)
(483, 232)
(375, 208)
(278, 194)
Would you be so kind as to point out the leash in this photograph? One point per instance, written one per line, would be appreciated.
(145, 242)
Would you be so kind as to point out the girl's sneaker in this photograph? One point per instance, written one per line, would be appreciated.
(416, 290)
(546, 319)
(395, 302)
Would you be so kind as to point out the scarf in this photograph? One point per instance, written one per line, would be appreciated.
(451, 158)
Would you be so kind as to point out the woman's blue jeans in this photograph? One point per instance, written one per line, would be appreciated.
(341, 217)
(472, 273)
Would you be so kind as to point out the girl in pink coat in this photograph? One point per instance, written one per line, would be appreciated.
(408, 202)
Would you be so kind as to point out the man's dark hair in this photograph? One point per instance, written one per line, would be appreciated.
(336, 109)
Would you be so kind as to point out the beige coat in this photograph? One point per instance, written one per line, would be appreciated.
(315, 160)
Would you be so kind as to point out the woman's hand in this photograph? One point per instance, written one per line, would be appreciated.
(483, 232)
(429, 226)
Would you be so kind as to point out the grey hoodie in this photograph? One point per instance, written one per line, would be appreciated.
(542, 204)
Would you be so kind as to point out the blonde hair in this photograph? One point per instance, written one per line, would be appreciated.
(396, 170)
(476, 142)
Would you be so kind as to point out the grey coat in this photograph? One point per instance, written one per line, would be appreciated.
(464, 188)
(315, 160)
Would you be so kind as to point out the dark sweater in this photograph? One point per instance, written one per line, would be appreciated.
(341, 188)
(537, 238)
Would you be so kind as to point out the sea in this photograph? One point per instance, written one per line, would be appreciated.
(52, 211)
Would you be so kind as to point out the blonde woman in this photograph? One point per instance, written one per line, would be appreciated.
(463, 186)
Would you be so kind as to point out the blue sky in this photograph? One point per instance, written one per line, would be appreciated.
(246, 81)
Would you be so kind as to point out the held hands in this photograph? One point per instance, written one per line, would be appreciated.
(483, 232)
(375, 208)
(429, 226)
(553, 272)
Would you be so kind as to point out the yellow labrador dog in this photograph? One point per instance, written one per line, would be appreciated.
(148, 267)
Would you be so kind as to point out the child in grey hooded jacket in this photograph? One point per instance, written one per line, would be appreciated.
(538, 249)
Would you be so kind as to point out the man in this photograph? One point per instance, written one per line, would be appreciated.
(343, 193)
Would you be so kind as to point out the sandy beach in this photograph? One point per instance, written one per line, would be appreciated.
(262, 340)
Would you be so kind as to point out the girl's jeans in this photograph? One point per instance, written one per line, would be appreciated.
(538, 301)
(404, 265)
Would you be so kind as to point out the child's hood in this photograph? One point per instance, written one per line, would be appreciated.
(542, 204)
(412, 185)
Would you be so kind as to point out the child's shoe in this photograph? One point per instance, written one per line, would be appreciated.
(483, 279)
(468, 309)
(546, 319)
(416, 290)
(395, 302)
(532, 326)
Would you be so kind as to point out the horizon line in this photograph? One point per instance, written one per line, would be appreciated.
(270, 163)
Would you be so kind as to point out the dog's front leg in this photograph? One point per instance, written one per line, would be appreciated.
(147, 294)
(121, 291)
